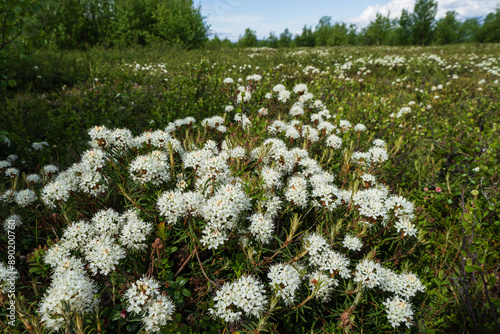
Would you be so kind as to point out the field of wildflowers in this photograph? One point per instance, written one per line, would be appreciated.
(256, 190)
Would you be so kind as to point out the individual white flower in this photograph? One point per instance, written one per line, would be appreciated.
(244, 95)
(228, 81)
(121, 138)
(309, 133)
(57, 254)
(56, 191)
(245, 295)
(285, 281)
(400, 206)
(261, 227)
(77, 235)
(25, 197)
(99, 136)
(403, 111)
(352, 243)
(398, 311)
(368, 273)
(254, 77)
(370, 178)
(228, 108)
(344, 125)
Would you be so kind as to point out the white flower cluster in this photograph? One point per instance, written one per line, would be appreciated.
(262, 227)
(175, 204)
(144, 298)
(323, 257)
(70, 285)
(322, 285)
(245, 294)
(285, 280)
(14, 219)
(352, 243)
(221, 213)
(38, 146)
(398, 311)
(215, 122)
(368, 273)
(405, 285)
(25, 197)
(6, 276)
(151, 168)
(98, 240)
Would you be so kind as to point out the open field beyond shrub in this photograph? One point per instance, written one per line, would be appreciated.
(321, 190)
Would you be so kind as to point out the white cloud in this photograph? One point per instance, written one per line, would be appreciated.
(464, 8)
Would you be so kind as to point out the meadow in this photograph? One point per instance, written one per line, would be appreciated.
(301, 190)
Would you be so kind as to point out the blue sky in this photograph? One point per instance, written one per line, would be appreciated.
(230, 18)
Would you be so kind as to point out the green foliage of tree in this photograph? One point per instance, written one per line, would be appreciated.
(447, 29)
(134, 21)
(377, 31)
(306, 38)
(272, 41)
(424, 13)
(249, 39)
(490, 31)
(178, 22)
(338, 35)
(285, 39)
(469, 30)
(15, 44)
(323, 31)
(403, 30)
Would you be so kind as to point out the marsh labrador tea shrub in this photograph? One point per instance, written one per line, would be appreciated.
(279, 180)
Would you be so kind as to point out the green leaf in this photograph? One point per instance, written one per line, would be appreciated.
(186, 293)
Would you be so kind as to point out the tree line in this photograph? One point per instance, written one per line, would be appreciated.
(419, 27)
(81, 24)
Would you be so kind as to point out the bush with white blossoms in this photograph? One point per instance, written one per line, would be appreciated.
(247, 217)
